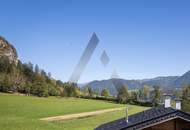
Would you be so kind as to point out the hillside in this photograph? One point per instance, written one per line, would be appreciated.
(167, 83)
(182, 80)
(16, 76)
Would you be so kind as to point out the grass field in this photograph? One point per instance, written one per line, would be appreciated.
(23, 113)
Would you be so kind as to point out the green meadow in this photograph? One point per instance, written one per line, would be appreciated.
(23, 112)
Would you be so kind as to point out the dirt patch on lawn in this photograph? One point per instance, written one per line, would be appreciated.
(80, 115)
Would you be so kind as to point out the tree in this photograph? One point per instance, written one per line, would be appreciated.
(90, 92)
(134, 96)
(52, 90)
(49, 75)
(186, 99)
(26, 88)
(59, 83)
(105, 93)
(123, 94)
(28, 72)
(39, 88)
(37, 69)
(186, 93)
(141, 95)
(70, 90)
(6, 84)
(146, 92)
(157, 95)
(85, 91)
(30, 66)
(43, 73)
(5, 65)
(178, 93)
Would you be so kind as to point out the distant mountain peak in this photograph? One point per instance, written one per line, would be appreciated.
(187, 73)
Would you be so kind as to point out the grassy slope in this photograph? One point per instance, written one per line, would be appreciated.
(22, 113)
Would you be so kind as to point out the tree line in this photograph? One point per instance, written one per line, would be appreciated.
(31, 80)
(153, 96)
(26, 78)
(142, 96)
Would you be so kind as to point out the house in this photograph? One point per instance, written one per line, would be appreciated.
(160, 118)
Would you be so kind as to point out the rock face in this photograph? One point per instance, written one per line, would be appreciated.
(6, 49)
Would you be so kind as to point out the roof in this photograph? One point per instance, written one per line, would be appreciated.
(145, 118)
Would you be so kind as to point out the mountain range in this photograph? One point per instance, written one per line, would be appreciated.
(166, 83)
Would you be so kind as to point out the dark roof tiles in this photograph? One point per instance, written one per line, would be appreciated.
(142, 119)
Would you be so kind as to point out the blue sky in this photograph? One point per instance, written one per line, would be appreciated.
(143, 38)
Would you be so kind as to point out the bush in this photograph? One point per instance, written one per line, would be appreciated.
(52, 91)
(40, 89)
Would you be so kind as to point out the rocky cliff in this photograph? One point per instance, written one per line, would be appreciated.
(6, 49)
